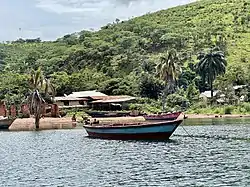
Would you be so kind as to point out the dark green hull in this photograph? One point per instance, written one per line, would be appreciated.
(103, 114)
(5, 123)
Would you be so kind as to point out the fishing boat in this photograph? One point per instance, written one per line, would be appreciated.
(133, 131)
(5, 123)
(164, 116)
(103, 114)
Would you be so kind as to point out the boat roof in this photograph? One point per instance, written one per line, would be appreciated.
(113, 99)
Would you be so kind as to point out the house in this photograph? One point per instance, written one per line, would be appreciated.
(221, 97)
(87, 94)
(71, 102)
(95, 100)
(77, 99)
(117, 102)
(239, 87)
(207, 94)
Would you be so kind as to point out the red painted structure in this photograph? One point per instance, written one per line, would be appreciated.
(3, 110)
(25, 111)
(13, 111)
(55, 110)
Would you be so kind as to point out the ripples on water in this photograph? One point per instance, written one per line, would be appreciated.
(216, 155)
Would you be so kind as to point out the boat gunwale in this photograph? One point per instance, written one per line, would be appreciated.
(163, 116)
(142, 125)
(11, 120)
(5, 123)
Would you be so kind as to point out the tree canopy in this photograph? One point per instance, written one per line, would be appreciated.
(121, 57)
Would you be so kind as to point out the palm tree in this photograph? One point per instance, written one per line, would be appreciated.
(169, 70)
(35, 100)
(211, 65)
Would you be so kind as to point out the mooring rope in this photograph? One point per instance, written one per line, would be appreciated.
(187, 132)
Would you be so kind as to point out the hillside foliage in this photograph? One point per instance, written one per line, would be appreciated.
(121, 57)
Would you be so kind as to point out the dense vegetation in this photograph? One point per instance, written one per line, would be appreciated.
(121, 58)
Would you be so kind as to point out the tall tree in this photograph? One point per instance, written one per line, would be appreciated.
(169, 69)
(38, 84)
(211, 65)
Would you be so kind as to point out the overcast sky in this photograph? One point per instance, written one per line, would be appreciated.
(50, 19)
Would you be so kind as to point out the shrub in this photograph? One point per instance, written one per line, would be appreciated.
(242, 110)
(246, 106)
(228, 110)
(175, 100)
(135, 107)
(217, 111)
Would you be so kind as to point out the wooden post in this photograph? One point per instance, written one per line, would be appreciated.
(54, 110)
(13, 111)
(25, 111)
(43, 110)
(3, 110)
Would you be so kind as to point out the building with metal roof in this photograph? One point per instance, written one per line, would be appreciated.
(87, 94)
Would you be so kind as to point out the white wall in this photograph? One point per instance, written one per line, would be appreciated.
(59, 103)
(73, 103)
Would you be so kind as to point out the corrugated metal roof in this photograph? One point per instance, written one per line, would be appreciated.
(86, 94)
(75, 106)
(208, 94)
(115, 99)
(110, 97)
(239, 87)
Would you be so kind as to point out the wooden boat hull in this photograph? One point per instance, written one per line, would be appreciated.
(5, 123)
(144, 131)
(167, 117)
(103, 114)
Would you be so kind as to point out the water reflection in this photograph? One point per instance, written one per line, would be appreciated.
(217, 121)
(69, 158)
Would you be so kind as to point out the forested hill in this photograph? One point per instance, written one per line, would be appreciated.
(120, 58)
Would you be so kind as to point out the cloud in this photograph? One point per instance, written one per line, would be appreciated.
(50, 19)
(110, 7)
(103, 11)
(70, 6)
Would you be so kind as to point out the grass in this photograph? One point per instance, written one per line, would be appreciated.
(79, 114)
(243, 109)
(198, 108)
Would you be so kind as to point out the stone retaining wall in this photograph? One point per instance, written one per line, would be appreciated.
(28, 124)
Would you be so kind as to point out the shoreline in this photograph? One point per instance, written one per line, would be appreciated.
(210, 116)
(27, 124)
(47, 123)
(188, 116)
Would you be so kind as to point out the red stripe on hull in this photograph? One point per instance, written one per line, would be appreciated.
(169, 117)
(160, 119)
(142, 136)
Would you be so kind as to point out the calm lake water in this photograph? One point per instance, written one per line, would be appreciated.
(217, 154)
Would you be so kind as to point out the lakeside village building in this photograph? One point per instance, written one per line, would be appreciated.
(84, 99)
(94, 100)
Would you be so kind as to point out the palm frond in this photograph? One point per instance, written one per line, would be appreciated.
(201, 55)
(37, 77)
(46, 86)
(211, 64)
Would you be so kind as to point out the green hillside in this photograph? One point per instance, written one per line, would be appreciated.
(121, 57)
